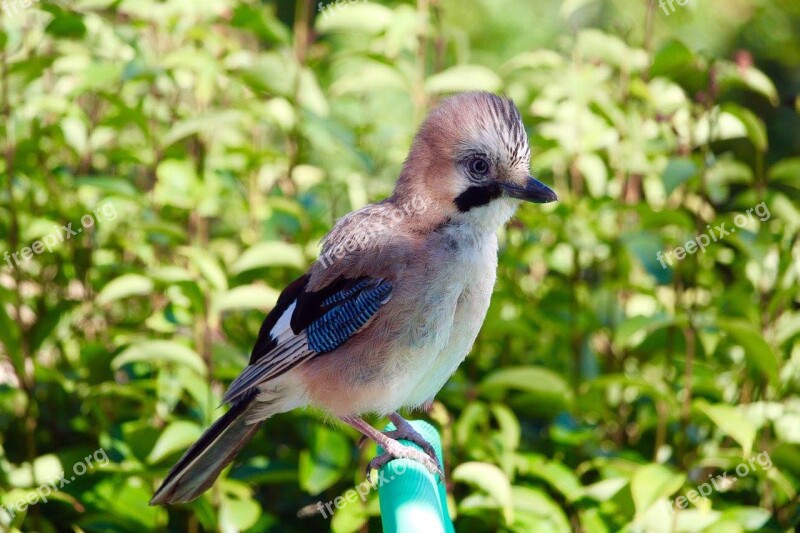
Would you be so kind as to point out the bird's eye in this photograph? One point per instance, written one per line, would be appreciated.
(479, 166)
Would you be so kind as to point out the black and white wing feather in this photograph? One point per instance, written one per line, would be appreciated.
(305, 324)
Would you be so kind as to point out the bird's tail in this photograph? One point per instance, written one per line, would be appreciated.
(201, 464)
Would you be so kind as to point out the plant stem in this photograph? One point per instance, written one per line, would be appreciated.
(25, 365)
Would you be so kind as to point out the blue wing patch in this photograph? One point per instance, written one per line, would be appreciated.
(349, 310)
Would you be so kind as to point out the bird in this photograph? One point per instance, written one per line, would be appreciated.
(394, 302)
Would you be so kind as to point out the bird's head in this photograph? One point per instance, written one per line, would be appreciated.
(471, 157)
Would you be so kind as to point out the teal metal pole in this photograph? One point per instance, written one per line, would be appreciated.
(412, 499)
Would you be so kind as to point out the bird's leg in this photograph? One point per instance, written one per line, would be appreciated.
(392, 448)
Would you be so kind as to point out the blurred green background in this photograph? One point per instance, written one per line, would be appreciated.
(204, 149)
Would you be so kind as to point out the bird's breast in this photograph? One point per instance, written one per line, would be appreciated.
(418, 340)
(453, 312)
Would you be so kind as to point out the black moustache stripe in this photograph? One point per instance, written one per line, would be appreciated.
(477, 195)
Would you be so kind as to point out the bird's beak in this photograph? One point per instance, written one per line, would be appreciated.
(533, 191)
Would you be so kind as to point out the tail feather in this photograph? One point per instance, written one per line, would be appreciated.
(200, 466)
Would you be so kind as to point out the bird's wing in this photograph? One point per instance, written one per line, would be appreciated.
(372, 242)
(306, 323)
(362, 259)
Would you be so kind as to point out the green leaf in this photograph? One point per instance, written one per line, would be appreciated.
(687, 520)
(732, 422)
(592, 521)
(538, 382)
(326, 460)
(124, 499)
(254, 296)
(472, 417)
(645, 246)
(557, 475)
(368, 17)
(125, 286)
(786, 170)
(787, 428)
(75, 134)
(597, 45)
(46, 468)
(594, 172)
(171, 274)
(177, 184)
(654, 389)
(672, 58)
(605, 489)
(536, 59)
(101, 76)
(750, 518)
(208, 265)
(110, 185)
(678, 172)
(756, 131)
(536, 512)
(350, 518)
(634, 330)
(736, 75)
(261, 22)
(463, 78)
(65, 24)
(310, 94)
(509, 425)
(177, 436)
(652, 482)
(757, 352)
(491, 480)
(238, 514)
(368, 77)
(270, 254)
(209, 124)
(159, 353)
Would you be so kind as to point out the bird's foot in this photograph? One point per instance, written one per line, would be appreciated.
(393, 449)
(396, 450)
(405, 431)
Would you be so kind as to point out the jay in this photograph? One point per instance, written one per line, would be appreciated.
(384, 322)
